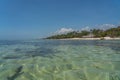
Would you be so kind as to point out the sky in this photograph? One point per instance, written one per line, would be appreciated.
(27, 19)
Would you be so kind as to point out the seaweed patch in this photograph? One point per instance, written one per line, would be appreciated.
(11, 57)
(18, 72)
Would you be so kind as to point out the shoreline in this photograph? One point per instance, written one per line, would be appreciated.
(104, 38)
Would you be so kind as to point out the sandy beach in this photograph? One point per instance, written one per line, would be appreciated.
(105, 38)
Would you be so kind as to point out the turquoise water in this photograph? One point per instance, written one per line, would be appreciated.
(60, 60)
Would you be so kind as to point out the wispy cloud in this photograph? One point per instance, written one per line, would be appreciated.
(87, 28)
(64, 30)
(105, 26)
(102, 26)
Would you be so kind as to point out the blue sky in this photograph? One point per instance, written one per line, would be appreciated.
(20, 19)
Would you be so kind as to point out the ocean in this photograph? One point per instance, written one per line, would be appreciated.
(59, 59)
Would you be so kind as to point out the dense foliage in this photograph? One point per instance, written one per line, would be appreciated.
(112, 32)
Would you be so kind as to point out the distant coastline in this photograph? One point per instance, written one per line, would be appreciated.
(93, 34)
(104, 38)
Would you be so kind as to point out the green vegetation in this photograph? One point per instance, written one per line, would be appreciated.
(94, 33)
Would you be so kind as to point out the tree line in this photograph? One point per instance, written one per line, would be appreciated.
(97, 33)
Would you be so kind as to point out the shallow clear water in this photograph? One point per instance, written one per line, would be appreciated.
(60, 60)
